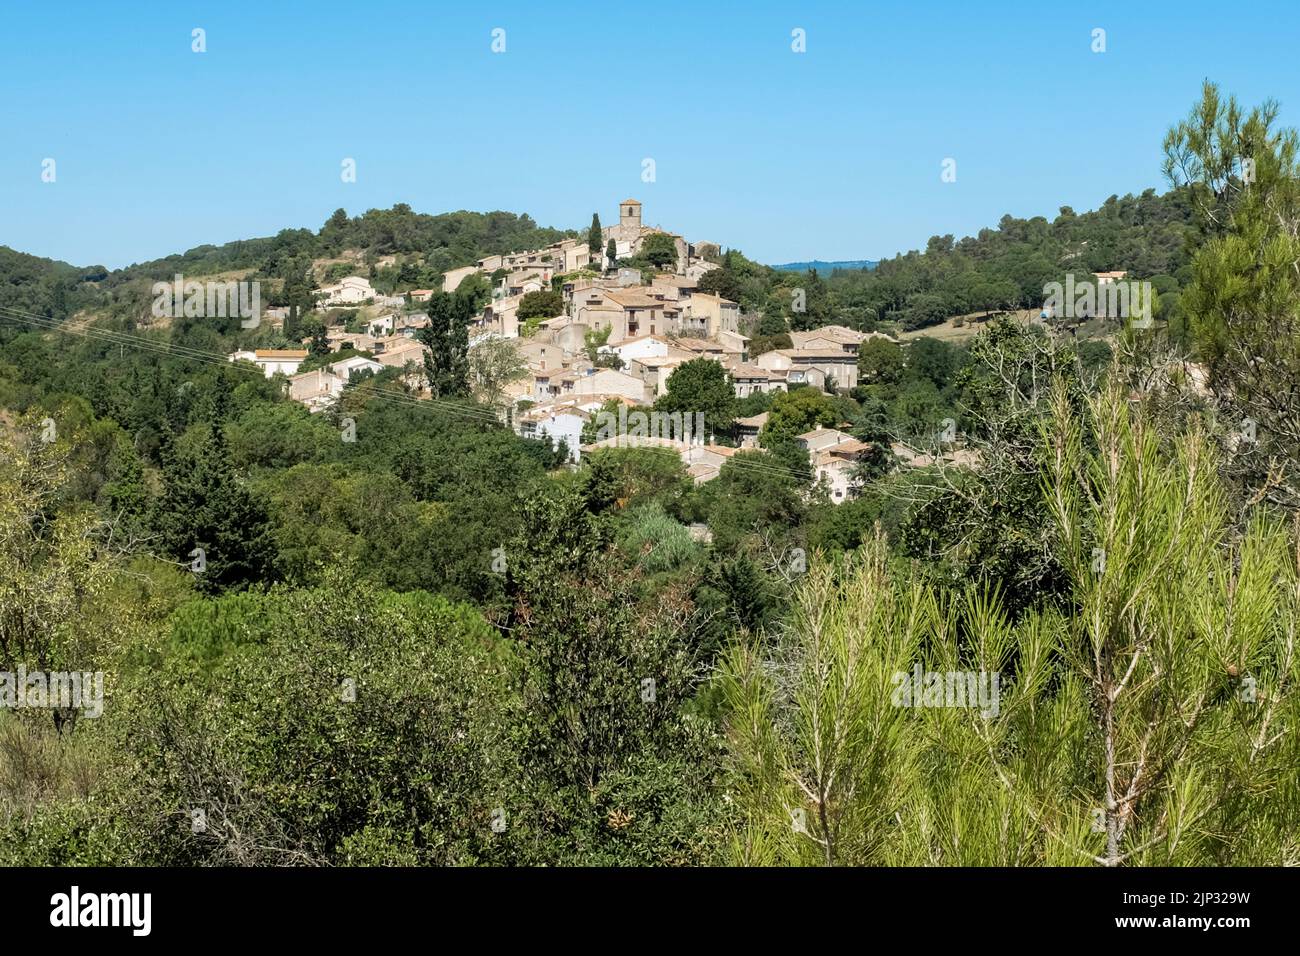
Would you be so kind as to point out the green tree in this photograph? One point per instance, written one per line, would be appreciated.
(594, 235)
(794, 413)
(546, 304)
(725, 283)
(701, 386)
(206, 506)
(446, 363)
(495, 363)
(613, 769)
(54, 563)
(1243, 301)
(880, 362)
(282, 746)
(821, 755)
(1122, 729)
(660, 249)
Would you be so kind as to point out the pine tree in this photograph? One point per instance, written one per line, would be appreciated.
(1243, 302)
(1145, 718)
(593, 236)
(207, 506)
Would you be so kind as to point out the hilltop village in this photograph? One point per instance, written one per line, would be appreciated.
(588, 335)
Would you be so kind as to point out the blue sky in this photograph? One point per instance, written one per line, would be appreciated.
(834, 153)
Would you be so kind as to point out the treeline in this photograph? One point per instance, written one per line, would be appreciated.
(1149, 236)
(45, 287)
(425, 246)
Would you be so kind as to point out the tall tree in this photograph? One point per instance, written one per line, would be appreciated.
(1244, 298)
(594, 235)
(446, 364)
(207, 507)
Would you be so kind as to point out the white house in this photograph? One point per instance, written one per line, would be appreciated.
(560, 420)
(834, 455)
(643, 346)
(354, 290)
(358, 363)
(272, 361)
(317, 388)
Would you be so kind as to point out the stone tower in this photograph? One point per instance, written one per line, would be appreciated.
(629, 217)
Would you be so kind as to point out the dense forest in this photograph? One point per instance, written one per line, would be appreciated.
(1149, 236)
(397, 633)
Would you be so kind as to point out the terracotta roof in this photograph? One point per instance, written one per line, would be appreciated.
(753, 371)
(726, 451)
(813, 354)
(281, 353)
(634, 300)
(850, 448)
(826, 459)
(709, 295)
(545, 410)
(679, 282)
(698, 345)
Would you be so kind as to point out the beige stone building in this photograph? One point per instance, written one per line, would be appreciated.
(603, 381)
(630, 235)
(833, 337)
(628, 313)
(751, 379)
(709, 316)
(813, 366)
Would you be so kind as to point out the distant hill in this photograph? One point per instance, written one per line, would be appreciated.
(419, 247)
(825, 268)
(45, 286)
